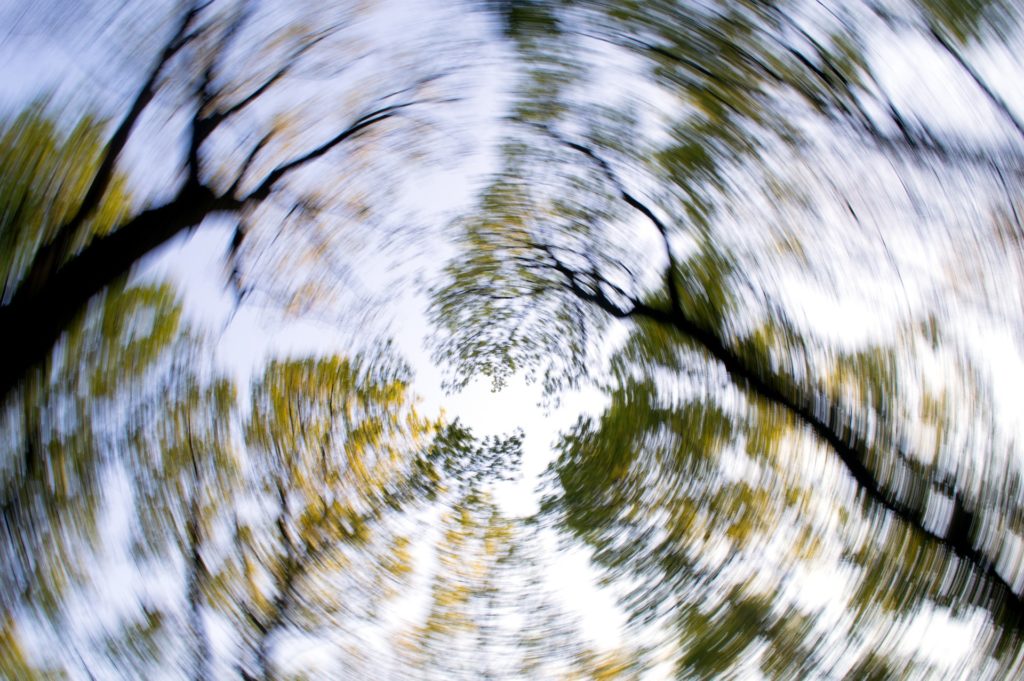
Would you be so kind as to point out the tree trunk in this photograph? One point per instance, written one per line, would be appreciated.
(41, 312)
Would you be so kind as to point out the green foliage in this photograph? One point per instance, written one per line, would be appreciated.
(717, 641)
(502, 309)
(136, 326)
(141, 644)
(333, 447)
(705, 455)
(66, 435)
(681, 496)
(63, 429)
(14, 663)
(45, 171)
(971, 21)
(491, 614)
(467, 466)
(636, 196)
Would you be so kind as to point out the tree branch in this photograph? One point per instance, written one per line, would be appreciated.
(829, 421)
(37, 317)
(997, 101)
(365, 121)
(49, 257)
(824, 416)
(274, 78)
(633, 202)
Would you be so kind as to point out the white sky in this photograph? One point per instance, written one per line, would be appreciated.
(196, 261)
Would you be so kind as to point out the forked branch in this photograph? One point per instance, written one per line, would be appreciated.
(828, 419)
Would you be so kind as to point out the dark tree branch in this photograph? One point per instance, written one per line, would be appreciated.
(590, 294)
(202, 126)
(830, 422)
(633, 202)
(37, 317)
(50, 256)
(42, 312)
(274, 78)
(249, 160)
(997, 101)
(204, 121)
(943, 41)
(197, 572)
(915, 141)
(828, 419)
(365, 121)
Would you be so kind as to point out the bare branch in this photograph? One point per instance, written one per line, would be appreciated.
(292, 60)
(997, 101)
(633, 202)
(591, 294)
(362, 123)
(234, 267)
(48, 258)
(205, 123)
(943, 41)
(249, 160)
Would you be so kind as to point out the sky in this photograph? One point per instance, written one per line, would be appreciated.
(249, 336)
(246, 336)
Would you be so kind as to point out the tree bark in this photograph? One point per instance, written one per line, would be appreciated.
(38, 316)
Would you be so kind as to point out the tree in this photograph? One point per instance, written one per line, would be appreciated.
(331, 449)
(334, 452)
(302, 534)
(186, 475)
(202, 69)
(666, 166)
(491, 614)
(67, 423)
(728, 136)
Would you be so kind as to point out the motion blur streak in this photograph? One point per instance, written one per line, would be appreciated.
(253, 252)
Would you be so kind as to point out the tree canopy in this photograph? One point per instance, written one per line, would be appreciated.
(758, 229)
